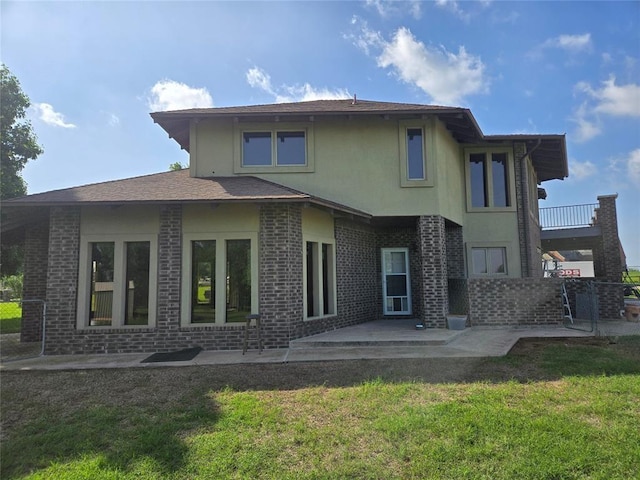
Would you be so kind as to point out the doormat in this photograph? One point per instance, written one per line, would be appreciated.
(179, 356)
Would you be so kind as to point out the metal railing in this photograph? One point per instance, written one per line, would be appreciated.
(569, 216)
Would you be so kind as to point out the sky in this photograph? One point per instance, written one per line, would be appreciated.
(95, 70)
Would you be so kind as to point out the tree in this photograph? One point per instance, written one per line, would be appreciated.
(18, 141)
(177, 166)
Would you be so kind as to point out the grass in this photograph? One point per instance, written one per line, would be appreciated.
(10, 317)
(582, 422)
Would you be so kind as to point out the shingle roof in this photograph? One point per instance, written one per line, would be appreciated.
(315, 107)
(175, 187)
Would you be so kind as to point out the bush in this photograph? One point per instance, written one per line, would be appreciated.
(13, 283)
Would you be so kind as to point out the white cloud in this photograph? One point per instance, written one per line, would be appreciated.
(172, 95)
(446, 77)
(572, 43)
(48, 115)
(612, 99)
(633, 166)
(586, 128)
(365, 39)
(581, 170)
(386, 8)
(454, 7)
(258, 78)
(113, 120)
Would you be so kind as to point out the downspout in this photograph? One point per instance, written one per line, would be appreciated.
(525, 203)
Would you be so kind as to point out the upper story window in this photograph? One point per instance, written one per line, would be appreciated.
(415, 154)
(415, 168)
(489, 180)
(288, 148)
(258, 148)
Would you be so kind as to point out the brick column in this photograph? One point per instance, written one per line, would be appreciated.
(608, 222)
(281, 282)
(62, 277)
(433, 254)
(169, 271)
(36, 247)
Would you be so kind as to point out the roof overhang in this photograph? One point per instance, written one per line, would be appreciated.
(548, 153)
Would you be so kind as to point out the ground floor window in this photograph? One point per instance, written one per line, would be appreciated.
(119, 275)
(489, 261)
(221, 275)
(319, 278)
(396, 283)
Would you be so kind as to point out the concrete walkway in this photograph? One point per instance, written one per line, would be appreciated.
(371, 340)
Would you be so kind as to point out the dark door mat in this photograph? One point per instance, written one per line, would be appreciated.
(179, 356)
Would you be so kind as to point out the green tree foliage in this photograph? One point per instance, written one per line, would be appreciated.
(177, 166)
(19, 142)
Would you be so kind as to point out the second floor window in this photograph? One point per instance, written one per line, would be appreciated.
(415, 154)
(260, 150)
(489, 180)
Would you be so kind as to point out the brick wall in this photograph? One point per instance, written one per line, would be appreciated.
(607, 220)
(169, 275)
(515, 301)
(36, 247)
(455, 251)
(62, 280)
(281, 280)
(432, 245)
(357, 279)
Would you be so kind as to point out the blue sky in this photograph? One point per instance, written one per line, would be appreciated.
(94, 71)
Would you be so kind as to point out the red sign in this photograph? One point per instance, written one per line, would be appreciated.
(569, 272)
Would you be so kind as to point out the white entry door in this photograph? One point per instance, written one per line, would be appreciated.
(396, 286)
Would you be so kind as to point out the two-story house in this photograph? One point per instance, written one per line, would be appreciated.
(316, 215)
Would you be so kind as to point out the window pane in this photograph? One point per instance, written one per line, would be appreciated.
(478, 180)
(137, 283)
(238, 280)
(311, 280)
(479, 259)
(291, 148)
(396, 285)
(499, 177)
(203, 275)
(102, 255)
(415, 154)
(256, 149)
(497, 261)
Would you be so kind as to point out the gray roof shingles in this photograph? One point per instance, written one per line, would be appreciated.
(174, 187)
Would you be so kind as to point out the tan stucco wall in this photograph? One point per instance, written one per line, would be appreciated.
(137, 219)
(499, 229)
(203, 218)
(356, 162)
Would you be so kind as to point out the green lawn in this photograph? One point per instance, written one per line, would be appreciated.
(10, 317)
(172, 423)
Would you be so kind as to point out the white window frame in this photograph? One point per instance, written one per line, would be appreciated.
(273, 128)
(119, 280)
(220, 275)
(405, 250)
(489, 180)
(506, 248)
(319, 287)
(428, 153)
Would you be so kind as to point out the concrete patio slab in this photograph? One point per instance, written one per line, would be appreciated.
(372, 340)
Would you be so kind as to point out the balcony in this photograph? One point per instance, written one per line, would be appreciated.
(570, 227)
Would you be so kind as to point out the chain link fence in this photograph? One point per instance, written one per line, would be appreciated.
(17, 342)
(594, 303)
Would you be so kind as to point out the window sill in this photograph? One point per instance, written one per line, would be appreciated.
(324, 317)
(117, 328)
(274, 169)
